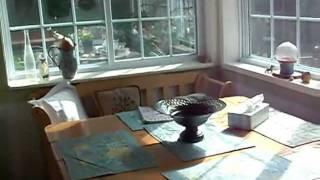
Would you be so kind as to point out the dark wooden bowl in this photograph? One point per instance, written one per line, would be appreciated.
(193, 115)
(191, 134)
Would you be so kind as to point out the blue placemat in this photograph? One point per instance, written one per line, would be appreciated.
(248, 165)
(214, 142)
(289, 130)
(104, 154)
(133, 120)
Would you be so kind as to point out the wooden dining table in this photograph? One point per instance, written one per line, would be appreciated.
(165, 159)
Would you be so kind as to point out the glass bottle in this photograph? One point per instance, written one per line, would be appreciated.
(29, 60)
(43, 67)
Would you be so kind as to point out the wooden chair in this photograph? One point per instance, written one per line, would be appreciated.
(211, 87)
(43, 120)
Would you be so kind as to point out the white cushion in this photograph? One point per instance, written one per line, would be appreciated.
(62, 103)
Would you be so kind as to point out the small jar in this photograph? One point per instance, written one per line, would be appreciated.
(306, 77)
(43, 67)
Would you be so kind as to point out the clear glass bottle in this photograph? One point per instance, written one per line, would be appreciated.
(29, 60)
(43, 67)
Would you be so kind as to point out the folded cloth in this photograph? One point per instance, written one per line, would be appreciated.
(150, 115)
(104, 154)
(249, 105)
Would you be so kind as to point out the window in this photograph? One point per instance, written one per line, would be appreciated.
(271, 22)
(108, 33)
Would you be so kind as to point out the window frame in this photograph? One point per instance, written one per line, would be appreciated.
(111, 63)
(247, 57)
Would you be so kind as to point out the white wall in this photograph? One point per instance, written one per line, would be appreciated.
(210, 34)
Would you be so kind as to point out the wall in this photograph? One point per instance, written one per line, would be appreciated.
(20, 151)
(290, 101)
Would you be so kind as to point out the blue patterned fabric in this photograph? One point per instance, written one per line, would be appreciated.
(104, 154)
(248, 165)
(133, 120)
(214, 142)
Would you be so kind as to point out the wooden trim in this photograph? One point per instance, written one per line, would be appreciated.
(43, 120)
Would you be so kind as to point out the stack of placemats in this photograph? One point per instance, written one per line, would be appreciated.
(132, 119)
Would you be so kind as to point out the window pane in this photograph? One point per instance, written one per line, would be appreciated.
(188, 7)
(260, 6)
(154, 8)
(182, 7)
(285, 7)
(183, 35)
(50, 41)
(23, 12)
(310, 8)
(92, 44)
(124, 9)
(156, 38)
(260, 37)
(310, 44)
(89, 10)
(126, 40)
(17, 38)
(285, 30)
(57, 11)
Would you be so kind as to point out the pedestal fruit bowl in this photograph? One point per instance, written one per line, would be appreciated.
(191, 116)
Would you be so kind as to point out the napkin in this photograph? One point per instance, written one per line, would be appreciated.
(249, 105)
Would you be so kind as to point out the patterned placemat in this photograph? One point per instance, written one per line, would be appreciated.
(132, 119)
(104, 154)
(214, 142)
(288, 130)
(248, 165)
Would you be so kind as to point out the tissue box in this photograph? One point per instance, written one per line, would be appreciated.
(249, 121)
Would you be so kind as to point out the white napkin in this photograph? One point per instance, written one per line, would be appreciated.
(249, 105)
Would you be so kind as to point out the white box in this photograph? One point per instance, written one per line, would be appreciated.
(249, 121)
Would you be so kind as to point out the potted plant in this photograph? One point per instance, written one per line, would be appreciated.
(86, 38)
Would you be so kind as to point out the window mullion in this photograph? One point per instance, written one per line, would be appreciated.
(140, 29)
(109, 29)
(169, 26)
(75, 29)
(245, 28)
(272, 28)
(197, 27)
(6, 39)
(43, 34)
(298, 27)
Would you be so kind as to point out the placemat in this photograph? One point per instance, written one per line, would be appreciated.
(214, 142)
(132, 119)
(288, 130)
(248, 165)
(104, 154)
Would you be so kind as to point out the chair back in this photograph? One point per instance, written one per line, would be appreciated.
(211, 87)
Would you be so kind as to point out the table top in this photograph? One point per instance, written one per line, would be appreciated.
(166, 160)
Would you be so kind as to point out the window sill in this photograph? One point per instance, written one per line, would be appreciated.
(111, 74)
(313, 88)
